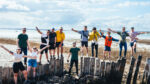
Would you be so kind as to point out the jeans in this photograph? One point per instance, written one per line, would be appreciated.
(93, 45)
(71, 65)
(24, 50)
(125, 48)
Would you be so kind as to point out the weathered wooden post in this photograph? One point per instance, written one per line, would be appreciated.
(130, 70)
(52, 66)
(57, 67)
(102, 69)
(1, 75)
(137, 69)
(81, 65)
(46, 69)
(86, 66)
(121, 69)
(97, 67)
(92, 66)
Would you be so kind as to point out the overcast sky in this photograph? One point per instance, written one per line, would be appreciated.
(75, 13)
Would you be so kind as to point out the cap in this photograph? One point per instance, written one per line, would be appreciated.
(61, 27)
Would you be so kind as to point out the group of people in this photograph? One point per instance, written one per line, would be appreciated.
(52, 40)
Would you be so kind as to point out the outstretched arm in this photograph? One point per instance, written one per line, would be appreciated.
(113, 39)
(38, 30)
(30, 57)
(43, 49)
(74, 30)
(112, 30)
(10, 52)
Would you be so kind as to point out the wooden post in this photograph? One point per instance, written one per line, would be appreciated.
(92, 66)
(137, 69)
(1, 75)
(52, 66)
(108, 68)
(46, 69)
(86, 65)
(97, 67)
(130, 70)
(81, 65)
(57, 67)
(102, 69)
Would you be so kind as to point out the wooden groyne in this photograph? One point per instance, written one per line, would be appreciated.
(92, 71)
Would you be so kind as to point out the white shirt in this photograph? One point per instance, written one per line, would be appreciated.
(18, 57)
(34, 54)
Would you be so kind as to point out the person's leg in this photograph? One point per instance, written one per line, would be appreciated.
(71, 65)
(40, 58)
(125, 49)
(46, 54)
(109, 55)
(104, 54)
(82, 46)
(134, 47)
(62, 48)
(76, 64)
(131, 44)
(50, 52)
(92, 45)
(25, 74)
(15, 77)
(25, 50)
(86, 48)
(96, 49)
(120, 52)
(34, 72)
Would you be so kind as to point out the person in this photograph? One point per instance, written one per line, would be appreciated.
(44, 42)
(74, 57)
(17, 65)
(52, 42)
(60, 37)
(108, 42)
(133, 39)
(93, 36)
(123, 42)
(84, 39)
(32, 62)
(23, 43)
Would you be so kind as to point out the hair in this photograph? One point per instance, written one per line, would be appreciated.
(85, 26)
(35, 48)
(132, 27)
(94, 28)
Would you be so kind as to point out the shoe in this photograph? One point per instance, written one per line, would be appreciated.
(39, 63)
(48, 61)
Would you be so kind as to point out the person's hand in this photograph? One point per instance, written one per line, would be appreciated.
(60, 45)
(72, 29)
(48, 46)
(109, 29)
(67, 60)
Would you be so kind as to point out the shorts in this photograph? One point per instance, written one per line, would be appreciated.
(58, 43)
(45, 50)
(32, 62)
(52, 46)
(132, 43)
(84, 43)
(107, 48)
(18, 66)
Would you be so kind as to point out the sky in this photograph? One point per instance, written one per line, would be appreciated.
(75, 14)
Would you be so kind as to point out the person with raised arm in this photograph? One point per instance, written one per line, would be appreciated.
(52, 43)
(108, 43)
(44, 42)
(84, 39)
(123, 43)
(93, 36)
(60, 37)
(133, 39)
(23, 43)
(32, 62)
(74, 57)
(17, 65)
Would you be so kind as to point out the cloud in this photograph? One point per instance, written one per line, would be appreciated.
(133, 3)
(12, 5)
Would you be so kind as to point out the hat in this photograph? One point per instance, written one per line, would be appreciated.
(61, 27)
(23, 28)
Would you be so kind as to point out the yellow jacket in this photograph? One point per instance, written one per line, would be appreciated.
(92, 35)
(60, 36)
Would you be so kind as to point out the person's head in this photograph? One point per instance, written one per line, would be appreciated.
(18, 50)
(23, 30)
(94, 29)
(74, 44)
(35, 49)
(48, 32)
(123, 29)
(108, 33)
(53, 29)
(61, 29)
(85, 28)
(132, 29)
